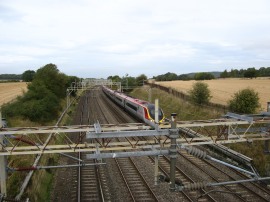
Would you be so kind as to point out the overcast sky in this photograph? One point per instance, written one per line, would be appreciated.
(99, 38)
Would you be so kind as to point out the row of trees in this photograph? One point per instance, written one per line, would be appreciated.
(129, 81)
(246, 73)
(42, 102)
(234, 73)
(27, 76)
(196, 76)
(244, 101)
(10, 77)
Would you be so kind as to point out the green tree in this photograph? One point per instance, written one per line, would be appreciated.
(244, 101)
(203, 76)
(54, 80)
(166, 77)
(140, 79)
(115, 78)
(40, 104)
(200, 93)
(224, 74)
(42, 101)
(183, 77)
(28, 75)
(250, 73)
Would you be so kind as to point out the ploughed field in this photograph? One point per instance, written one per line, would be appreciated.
(222, 90)
(9, 91)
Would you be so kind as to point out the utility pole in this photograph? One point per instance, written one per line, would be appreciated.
(127, 82)
(3, 163)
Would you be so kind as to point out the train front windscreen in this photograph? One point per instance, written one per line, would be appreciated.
(151, 110)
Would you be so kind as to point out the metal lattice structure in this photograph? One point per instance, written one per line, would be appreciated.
(86, 84)
(166, 138)
(231, 129)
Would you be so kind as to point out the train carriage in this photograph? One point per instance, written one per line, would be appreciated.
(142, 110)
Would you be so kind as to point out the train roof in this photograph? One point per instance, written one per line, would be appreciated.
(138, 101)
(130, 98)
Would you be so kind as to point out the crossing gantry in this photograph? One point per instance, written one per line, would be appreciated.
(86, 84)
(230, 129)
(166, 139)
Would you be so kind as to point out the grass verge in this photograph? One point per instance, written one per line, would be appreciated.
(187, 111)
(40, 185)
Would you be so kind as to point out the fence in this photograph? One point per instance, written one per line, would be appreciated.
(186, 97)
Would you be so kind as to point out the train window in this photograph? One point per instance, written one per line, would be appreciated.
(151, 110)
(132, 106)
(119, 99)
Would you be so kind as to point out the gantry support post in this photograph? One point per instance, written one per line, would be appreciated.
(156, 157)
(266, 142)
(172, 151)
(150, 94)
(3, 164)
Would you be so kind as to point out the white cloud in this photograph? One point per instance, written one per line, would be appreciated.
(176, 34)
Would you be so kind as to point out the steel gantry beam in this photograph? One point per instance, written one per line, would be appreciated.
(28, 140)
(166, 138)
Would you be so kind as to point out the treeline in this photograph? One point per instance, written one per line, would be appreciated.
(234, 73)
(8, 77)
(42, 102)
(246, 73)
(129, 81)
(172, 76)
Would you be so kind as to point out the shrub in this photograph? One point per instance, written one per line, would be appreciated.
(244, 101)
(200, 94)
(42, 102)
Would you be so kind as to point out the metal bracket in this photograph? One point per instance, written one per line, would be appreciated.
(97, 128)
(239, 117)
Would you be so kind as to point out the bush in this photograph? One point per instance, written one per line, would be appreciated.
(244, 101)
(203, 76)
(200, 94)
(41, 103)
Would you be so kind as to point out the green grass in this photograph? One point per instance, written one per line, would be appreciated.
(170, 104)
(187, 111)
(40, 186)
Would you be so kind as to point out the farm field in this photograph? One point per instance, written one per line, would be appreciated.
(9, 91)
(222, 90)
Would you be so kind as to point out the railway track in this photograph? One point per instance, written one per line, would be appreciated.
(90, 183)
(137, 186)
(164, 166)
(241, 192)
(91, 180)
(108, 184)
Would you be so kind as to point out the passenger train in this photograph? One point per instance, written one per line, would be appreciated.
(142, 110)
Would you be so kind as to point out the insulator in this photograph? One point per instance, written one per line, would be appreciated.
(196, 152)
(195, 186)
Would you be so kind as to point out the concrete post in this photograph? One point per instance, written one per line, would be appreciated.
(3, 164)
(172, 152)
